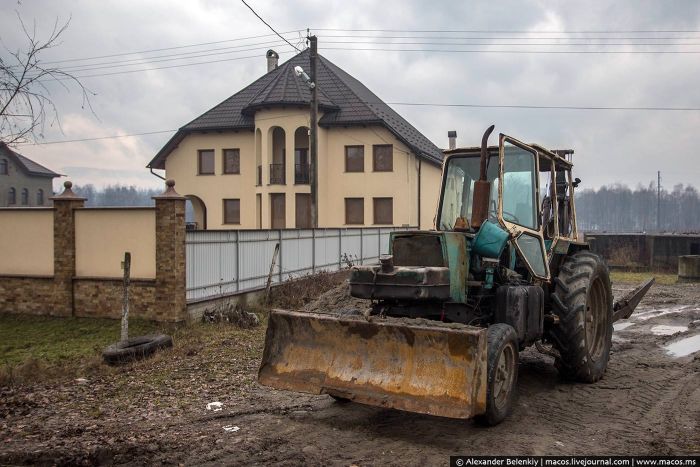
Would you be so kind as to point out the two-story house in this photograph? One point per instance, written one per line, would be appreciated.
(23, 182)
(245, 163)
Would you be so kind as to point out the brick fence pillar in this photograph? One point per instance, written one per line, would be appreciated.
(170, 295)
(64, 249)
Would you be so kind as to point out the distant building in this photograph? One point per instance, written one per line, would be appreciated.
(23, 182)
(244, 164)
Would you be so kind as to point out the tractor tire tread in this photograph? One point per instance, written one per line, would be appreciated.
(498, 336)
(569, 304)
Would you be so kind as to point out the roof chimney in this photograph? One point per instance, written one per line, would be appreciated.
(452, 136)
(272, 59)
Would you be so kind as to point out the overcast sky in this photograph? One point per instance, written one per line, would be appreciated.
(611, 146)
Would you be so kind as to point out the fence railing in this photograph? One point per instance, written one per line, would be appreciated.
(301, 174)
(226, 262)
(277, 174)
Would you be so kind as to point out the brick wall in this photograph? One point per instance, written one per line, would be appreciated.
(102, 298)
(28, 295)
(64, 294)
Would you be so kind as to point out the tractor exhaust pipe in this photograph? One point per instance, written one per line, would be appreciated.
(482, 187)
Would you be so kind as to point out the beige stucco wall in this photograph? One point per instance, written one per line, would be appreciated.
(26, 241)
(334, 183)
(430, 194)
(103, 235)
(181, 165)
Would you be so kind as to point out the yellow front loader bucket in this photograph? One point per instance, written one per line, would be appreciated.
(406, 364)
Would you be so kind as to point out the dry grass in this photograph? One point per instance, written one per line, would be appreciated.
(41, 348)
(297, 293)
(638, 277)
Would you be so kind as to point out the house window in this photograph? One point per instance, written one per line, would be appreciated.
(303, 211)
(278, 218)
(383, 210)
(3, 167)
(40, 197)
(383, 158)
(232, 211)
(354, 158)
(12, 196)
(354, 211)
(232, 161)
(25, 196)
(205, 162)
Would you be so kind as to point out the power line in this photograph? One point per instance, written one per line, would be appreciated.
(96, 138)
(520, 51)
(168, 48)
(161, 67)
(510, 43)
(176, 56)
(421, 104)
(514, 31)
(364, 36)
(268, 25)
(148, 62)
(551, 107)
(240, 48)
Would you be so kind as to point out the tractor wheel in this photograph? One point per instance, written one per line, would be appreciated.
(501, 373)
(583, 302)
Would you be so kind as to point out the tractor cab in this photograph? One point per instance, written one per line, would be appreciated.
(530, 192)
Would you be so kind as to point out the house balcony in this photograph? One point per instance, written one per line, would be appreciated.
(302, 174)
(277, 174)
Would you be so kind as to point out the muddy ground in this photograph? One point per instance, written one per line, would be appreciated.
(156, 411)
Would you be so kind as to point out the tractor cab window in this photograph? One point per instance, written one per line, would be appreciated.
(564, 214)
(458, 188)
(519, 187)
(547, 199)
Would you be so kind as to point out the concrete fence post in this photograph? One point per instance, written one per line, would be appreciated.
(170, 294)
(64, 205)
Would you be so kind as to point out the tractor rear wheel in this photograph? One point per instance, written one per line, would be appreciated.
(501, 373)
(583, 301)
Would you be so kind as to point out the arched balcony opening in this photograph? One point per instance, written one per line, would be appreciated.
(195, 213)
(302, 168)
(277, 165)
(258, 157)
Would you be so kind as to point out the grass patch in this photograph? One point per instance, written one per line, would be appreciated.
(637, 277)
(60, 340)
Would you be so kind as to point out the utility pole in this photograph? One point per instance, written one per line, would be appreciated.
(313, 55)
(658, 201)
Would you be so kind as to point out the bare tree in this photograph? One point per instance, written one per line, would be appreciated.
(26, 103)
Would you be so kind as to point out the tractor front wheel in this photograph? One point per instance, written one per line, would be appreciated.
(583, 301)
(501, 373)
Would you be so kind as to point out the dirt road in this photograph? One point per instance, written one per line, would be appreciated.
(647, 403)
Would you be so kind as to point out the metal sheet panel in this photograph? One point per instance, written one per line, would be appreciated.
(222, 262)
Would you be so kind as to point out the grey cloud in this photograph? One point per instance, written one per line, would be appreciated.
(613, 146)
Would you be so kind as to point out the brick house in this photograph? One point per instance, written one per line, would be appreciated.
(244, 163)
(23, 182)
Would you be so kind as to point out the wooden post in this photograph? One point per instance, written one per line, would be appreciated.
(126, 266)
(272, 268)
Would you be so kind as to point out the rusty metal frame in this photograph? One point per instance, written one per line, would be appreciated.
(516, 230)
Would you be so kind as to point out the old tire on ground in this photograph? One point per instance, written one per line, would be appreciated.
(340, 400)
(136, 348)
(583, 302)
(501, 373)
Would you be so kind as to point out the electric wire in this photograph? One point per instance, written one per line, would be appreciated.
(268, 25)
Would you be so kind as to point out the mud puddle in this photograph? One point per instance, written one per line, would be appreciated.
(684, 347)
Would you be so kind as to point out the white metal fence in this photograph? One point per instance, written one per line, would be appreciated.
(224, 262)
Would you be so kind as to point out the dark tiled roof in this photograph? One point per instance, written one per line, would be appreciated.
(344, 100)
(28, 165)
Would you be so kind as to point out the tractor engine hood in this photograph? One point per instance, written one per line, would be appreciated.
(430, 266)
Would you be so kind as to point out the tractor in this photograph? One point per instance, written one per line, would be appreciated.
(450, 309)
